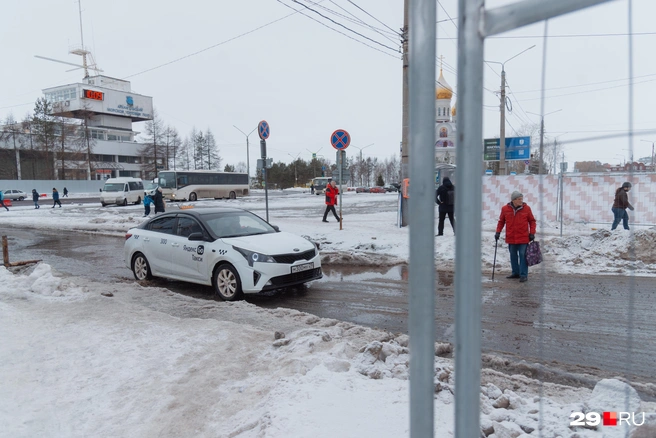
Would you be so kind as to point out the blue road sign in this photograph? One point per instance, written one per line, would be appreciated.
(263, 129)
(517, 148)
(340, 139)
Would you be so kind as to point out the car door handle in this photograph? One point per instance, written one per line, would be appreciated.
(175, 245)
(146, 239)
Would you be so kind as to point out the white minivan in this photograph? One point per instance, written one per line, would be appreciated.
(121, 191)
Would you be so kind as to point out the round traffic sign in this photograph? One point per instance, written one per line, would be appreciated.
(340, 139)
(263, 129)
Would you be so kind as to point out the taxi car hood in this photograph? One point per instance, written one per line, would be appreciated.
(271, 244)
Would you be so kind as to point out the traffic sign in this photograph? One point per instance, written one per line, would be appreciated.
(527, 162)
(263, 129)
(340, 139)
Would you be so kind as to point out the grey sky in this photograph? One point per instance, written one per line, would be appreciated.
(307, 80)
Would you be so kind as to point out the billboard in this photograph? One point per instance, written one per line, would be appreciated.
(517, 148)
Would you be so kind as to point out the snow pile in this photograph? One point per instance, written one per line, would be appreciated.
(41, 281)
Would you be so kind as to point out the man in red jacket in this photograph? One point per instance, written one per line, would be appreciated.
(331, 200)
(520, 230)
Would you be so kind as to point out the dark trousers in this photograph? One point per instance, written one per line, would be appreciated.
(146, 209)
(620, 215)
(440, 224)
(3, 204)
(56, 202)
(330, 208)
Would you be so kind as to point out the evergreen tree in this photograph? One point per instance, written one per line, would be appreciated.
(43, 128)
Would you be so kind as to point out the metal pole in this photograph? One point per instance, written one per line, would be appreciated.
(340, 163)
(421, 83)
(405, 147)
(562, 176)
(264, 171)
(541, 145)
(468, 233)
(502, 127)
(248, 163)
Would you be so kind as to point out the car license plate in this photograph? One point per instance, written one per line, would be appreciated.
(303, 267)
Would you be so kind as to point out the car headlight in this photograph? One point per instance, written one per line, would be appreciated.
(252, 256)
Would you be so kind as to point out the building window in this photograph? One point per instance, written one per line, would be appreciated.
(112, 137)
(100, 135)
(62, 95)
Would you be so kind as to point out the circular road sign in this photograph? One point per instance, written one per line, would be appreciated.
(263, 129)
(340, 139)
(527, 162)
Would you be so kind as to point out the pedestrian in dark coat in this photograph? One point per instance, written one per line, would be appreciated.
(331, 200)
(520, 230)
(445, 198)
(158, 200)
(65, 192)
(620, 204)
(35, 198)
(55, 198)
(2, 201)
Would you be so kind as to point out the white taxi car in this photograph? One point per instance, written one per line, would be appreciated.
(231, 249)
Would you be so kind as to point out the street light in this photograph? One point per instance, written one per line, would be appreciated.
(248, 164)
(314, 157)
(652, 152)
(360, 149)
(542, 135)
(295, 165)
(502, 106)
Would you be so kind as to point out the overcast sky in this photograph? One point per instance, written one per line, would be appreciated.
(307, 80)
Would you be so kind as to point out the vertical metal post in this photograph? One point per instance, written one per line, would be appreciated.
(340, 163)
(421, 82)
(562, 182)
(248, 164)
(541, 145)
(5, 251)
(263, 153)
(405, 147)
(468, 233)
(502, 126)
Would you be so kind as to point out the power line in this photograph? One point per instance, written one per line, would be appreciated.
(588, 84)
(212, 46)
(374, 18)
(588, 91)
(345, 27)
(589, 35)
(335, 30)
(357, 20)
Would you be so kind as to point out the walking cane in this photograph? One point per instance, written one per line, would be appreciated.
(494, 264)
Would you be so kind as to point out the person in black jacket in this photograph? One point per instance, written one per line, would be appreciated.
(35, 198)
(445, 198)
(620, 204)
(159, 201)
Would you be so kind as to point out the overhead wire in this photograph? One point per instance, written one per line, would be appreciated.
(588, 84)
(356, 20)
(373, 17)
(588, 35)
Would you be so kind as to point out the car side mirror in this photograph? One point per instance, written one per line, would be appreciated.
(275, 227)
(196, 236)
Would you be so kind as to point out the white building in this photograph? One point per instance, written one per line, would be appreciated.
(445, 123)
(111, 108)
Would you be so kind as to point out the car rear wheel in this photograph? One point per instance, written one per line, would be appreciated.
(232, 195)
(227, 284)
(138, 201)
(141, 268)
(103, 204)
(192, 197)
(20, 198)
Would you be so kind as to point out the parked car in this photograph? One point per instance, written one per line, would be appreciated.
(231, 249)
(377, 190)
(121, 191)
(14, 195)
(391, 188)
(362, 190)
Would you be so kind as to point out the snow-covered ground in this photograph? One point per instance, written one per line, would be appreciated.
(82, 358)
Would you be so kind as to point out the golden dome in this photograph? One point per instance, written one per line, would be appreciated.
(453, 110)
(443, 90)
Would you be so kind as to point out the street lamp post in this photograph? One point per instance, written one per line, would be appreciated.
(653, 165)
(360, 149)
(542, 136)
(502, 106)
(295, 166)
(314, 157)
(248, 164)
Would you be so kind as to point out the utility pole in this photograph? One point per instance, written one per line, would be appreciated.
(248, 164)
(405, 152)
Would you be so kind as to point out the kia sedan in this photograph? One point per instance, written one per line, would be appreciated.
(231, 249)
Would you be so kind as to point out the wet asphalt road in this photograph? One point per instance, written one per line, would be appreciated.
(574, 323)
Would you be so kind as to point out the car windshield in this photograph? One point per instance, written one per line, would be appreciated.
(150, 186)
(113, 187)
(237, 224)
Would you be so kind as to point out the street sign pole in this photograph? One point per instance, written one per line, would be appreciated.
(263, 132)
(340, 139)
(340, 163)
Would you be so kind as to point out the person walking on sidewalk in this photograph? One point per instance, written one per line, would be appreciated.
(65, 193)
(620, 204)
(445, 197)
(35, 198)
(158, 200)
(520, 230)
(2, 201)
(331, 200)
(55, 198)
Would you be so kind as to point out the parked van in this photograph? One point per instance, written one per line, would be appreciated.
(121, 191)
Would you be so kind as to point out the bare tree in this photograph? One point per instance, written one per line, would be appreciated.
(10, 133)
(152, 151)
(43, 127)
(84, 142)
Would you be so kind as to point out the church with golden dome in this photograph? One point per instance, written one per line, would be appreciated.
(445, 123)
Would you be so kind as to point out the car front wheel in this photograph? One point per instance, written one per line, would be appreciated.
(232, 195)
(192, 197)
(138, 201)
(141, 268)
(227, 284)
(20, 198)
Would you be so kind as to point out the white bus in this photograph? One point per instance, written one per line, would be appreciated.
(190, 185)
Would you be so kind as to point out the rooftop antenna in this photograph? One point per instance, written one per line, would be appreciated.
(81, 51)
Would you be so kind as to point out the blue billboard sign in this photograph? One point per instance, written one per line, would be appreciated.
(517, 148)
